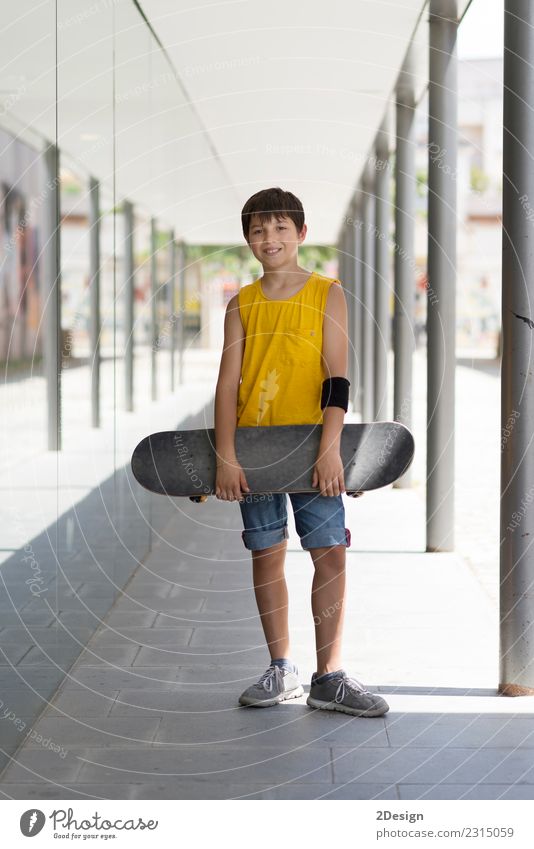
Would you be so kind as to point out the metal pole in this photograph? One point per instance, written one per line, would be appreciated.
(517, 402)
(341, 255)
(182, 258)
(382, 219)
(341, 259)
(94, 277)
(172, 314)
(52, 300)
(348, 281)
(153, 309)
(441, 295)
(129, 272)
(404, 256)
(358, 302)
(368, 275)
(351, 305)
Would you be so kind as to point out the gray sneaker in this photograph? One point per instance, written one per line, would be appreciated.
(275, 686)
(346, 695)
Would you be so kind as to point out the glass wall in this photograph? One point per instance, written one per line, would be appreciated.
(85, 308)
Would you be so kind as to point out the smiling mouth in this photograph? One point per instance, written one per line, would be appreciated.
(272, 252)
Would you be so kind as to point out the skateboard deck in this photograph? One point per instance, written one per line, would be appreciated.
(277, 458)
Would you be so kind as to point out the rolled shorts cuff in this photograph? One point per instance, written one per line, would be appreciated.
(328, 536)
(255, 540)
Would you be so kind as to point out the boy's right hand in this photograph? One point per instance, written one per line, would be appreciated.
(230, 481)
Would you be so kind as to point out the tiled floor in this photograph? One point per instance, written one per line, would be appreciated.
(150, 708)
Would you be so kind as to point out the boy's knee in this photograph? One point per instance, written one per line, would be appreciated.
(271, 549)
(326, 550)
(331, 558)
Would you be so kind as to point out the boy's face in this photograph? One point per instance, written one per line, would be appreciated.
(274, 242)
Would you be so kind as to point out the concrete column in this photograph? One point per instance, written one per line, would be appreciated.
(129, 274)
(172, 313)
(181, 262)
(341, 255)
(368, 300)
(348, 283)
(51, 264)
(354, 303)
(346, 277)
(441, 295)
(517, 399)
(358, 301)
(351, 303)
(382, 275)
(95, 321)
(404, 255)
(153, 310)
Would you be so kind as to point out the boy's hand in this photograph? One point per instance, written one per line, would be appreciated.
(230, 481)
(328, 473)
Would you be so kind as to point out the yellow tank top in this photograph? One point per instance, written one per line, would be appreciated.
(282, 370)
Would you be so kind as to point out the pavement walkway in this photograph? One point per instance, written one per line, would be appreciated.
(149, 709)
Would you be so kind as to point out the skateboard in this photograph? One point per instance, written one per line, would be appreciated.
(277, 458)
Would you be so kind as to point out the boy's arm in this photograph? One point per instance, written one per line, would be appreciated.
(227, 389)
(328, 473)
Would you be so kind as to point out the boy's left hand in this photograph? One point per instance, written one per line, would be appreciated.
(328, 473)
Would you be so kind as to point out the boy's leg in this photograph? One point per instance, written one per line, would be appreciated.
(265, 535)
(321, 525)
(328, 605)
(270, 589)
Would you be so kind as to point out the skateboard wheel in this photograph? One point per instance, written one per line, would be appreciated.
(198, 499)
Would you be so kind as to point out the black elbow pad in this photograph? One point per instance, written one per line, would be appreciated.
(335, 393)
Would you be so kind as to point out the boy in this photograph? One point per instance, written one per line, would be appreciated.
(285, 335)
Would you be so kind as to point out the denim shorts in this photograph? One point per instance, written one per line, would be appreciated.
(319, 519)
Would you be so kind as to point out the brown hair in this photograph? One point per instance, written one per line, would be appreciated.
(269, 202)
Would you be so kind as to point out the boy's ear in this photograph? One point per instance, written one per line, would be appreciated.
(302, 234)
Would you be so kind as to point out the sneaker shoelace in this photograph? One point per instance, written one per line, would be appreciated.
(266, 680)
(352, 685)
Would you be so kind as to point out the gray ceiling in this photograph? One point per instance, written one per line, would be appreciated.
(213, 101)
